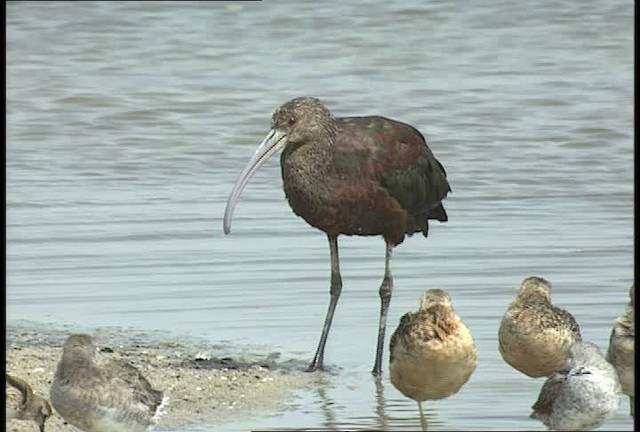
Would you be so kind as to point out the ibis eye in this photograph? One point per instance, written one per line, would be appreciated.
(291, 121)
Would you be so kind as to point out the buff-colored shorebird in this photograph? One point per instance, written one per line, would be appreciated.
(110, 398)
(621, 353)
(22, 403)
(534, 335)
(582, 395)
(432, 351)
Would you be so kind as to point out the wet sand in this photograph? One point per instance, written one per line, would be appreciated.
(205, 386)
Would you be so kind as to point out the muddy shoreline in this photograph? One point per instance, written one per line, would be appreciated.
(205, 383)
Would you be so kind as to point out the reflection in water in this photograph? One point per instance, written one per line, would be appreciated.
(426, 418)
(326, 404)
(383, 419)
(333, 416)
(408, 420)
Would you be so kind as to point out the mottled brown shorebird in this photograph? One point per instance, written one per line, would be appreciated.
(534, 335)
(351, 175)
(621, 353)
(432, 352)
(22, 403)
(110, 398)
(580, 396)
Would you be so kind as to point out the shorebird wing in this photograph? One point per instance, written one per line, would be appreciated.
(401, 332)
(140, 387)
(548, 394)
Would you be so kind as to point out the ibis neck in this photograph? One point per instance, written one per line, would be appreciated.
(305, 173)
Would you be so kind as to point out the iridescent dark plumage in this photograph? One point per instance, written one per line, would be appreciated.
(355, 176)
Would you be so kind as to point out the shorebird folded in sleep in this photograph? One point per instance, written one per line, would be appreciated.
(432, 351)
(621, 353)
(22, 403)
(112, 398)
(534, 335)
(581, 396)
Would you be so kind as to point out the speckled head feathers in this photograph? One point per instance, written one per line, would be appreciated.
(80, 344)
(535, 286)
(434, 296)
(302, 117)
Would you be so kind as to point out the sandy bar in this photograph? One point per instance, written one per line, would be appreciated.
(205, 383)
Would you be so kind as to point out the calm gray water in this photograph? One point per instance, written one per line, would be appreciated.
(127, 124)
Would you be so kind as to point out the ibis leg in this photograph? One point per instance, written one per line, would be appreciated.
(334, 290)
(423, 420)
(385, 298)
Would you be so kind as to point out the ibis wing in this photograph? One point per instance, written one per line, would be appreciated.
(396, 155)
(415, 177)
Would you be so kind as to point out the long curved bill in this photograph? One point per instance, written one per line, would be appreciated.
(274, 141)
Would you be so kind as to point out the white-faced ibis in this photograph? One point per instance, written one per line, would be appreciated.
(534, 335)
(355, 176)
(96, 398)
(432, 352)
(580, 396)
(621, 353)
(21, 403)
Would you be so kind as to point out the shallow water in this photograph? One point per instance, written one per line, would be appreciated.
(127, 124)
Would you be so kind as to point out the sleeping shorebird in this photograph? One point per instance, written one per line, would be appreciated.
(113, 398)
(22, 403)
(432, 351)
(581, 396)
(534, 335)
(621, 353)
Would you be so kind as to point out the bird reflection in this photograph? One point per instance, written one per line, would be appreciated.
(326, 404)
(386, 414)
(383, 419)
